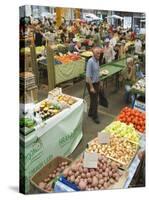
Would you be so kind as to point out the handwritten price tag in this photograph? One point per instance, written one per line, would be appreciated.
(90, 160)
(103, 137)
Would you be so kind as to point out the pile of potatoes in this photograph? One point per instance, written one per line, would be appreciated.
(106, 174)
(119, 149)
(46, 183)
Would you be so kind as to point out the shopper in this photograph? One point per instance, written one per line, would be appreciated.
(138, 46)
(97, 39)
(93, 83)
(38, 36)
(130, 79)
(108, 52)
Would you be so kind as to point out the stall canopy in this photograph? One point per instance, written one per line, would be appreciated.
(115, 17)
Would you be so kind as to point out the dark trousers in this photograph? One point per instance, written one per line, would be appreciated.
(94, 99)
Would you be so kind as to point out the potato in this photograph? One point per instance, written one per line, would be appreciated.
(107, 170)
(80, 169)
(70, 173)
(94, 181)
(82, 185)
(83, 175)
(112, 181)
(66, 172)
(101, 181)
(115, 175)
(85, 170)
(76, 181)
(89, 180)
(72, 178)
(46, 180)
(88, 175)
(42, 185)
(93, 173)
(110, 173)
(74, 168)
(100, 176)
(100, 171)
(105, 185)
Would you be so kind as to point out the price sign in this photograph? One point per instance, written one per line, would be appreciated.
(90, 160)
(103, 137)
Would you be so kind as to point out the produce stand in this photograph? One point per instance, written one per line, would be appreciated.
(57, 136)
(65, 72)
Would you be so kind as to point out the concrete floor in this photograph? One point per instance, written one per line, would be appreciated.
(107, 115)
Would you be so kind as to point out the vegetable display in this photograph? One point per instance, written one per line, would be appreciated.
(105, 175)
(118, 149)
(123, 130)
(67, 58)
(133, 116)
(46, 183)
(140, 85)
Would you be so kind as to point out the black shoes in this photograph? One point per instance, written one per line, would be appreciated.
(96, 120)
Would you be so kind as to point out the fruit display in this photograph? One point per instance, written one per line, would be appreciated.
(104, 176)
(39, 50)
(67, 58)
(133, 116)
(46, 184)
(87, 54)
(140, 85)
(104, 72)
(67, 99)
(118, 149)
(123, 130)
(46, 109)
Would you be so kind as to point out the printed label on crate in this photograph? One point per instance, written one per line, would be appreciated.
(103, 137)
(90, 160)
(139, 106)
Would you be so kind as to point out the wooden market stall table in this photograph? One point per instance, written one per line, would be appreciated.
(59, 136)
(65, 72)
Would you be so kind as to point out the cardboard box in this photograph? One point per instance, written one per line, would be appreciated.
(45, 171)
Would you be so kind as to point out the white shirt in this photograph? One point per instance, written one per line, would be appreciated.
(138, 46)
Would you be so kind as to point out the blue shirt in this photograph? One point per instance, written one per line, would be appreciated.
(92, 70)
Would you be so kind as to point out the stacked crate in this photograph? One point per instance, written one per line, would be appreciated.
(28, 88)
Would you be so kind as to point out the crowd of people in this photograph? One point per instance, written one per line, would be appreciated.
(108, 43)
